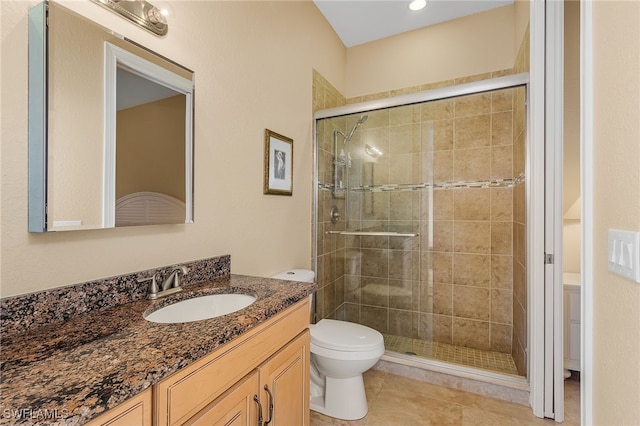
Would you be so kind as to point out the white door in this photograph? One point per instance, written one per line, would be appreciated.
(545, 210)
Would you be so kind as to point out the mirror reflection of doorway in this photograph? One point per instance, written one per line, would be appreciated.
(150, 153)
(572, 238)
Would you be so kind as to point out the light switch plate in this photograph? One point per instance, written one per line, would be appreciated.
(624, 253)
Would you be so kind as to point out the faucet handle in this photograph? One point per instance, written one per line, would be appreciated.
(153, 286)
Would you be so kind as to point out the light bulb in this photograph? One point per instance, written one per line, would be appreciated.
(416, 5)
(166, 9)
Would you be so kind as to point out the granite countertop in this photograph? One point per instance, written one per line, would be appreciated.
(70, 372)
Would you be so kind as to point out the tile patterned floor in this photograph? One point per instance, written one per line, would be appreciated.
(399, 401)
(487, 360)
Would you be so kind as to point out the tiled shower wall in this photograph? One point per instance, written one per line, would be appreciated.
(330, 248)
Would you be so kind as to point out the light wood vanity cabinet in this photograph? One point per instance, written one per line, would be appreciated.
(134, 411)
(220, 388)
(276, 392)
(284, 384)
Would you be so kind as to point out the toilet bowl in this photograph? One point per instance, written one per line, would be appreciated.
(340, 352)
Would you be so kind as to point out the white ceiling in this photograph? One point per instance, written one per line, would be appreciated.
(361, 21)
(133, 90)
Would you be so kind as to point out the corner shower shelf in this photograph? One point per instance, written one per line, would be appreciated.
(373, 234)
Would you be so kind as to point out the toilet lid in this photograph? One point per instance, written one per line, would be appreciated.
(345, 336)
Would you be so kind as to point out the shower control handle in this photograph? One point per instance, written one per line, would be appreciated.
(335, 214)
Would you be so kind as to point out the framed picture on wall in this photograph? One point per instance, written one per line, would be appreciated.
(278, 164)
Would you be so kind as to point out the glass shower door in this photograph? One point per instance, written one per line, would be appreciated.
(429, 248)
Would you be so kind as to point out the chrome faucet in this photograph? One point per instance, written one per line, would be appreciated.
(173, 280)
(170, 285)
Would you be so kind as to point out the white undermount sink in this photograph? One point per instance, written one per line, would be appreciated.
(200, 308)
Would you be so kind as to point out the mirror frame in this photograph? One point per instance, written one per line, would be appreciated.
(114, 56)
(37, 116)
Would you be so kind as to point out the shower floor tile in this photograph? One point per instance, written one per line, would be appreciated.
(487, 360)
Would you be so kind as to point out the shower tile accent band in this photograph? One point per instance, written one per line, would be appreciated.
(489, 183)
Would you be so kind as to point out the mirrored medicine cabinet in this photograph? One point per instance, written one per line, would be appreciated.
(110, 128)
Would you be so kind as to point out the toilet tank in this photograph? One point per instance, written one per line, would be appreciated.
(303, 275)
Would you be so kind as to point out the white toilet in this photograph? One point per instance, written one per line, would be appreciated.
(340, 352)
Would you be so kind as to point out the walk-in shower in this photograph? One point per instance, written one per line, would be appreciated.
(421, 222)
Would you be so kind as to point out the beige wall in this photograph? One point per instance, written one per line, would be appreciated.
(571, 161)
(468, 46)
(521, 13)
(150, 153)
(245, 81)
(616, 334)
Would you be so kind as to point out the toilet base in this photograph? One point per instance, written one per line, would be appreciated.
(343, 399)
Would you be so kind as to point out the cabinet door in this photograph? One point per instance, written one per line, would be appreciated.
(187, 392)
(134, 411)
(284, 384)
(236, 407)
(572, 327)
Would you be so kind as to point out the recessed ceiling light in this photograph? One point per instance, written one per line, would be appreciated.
(417, 4)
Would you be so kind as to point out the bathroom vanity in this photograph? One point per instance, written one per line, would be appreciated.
(235, 383)
(112, 366)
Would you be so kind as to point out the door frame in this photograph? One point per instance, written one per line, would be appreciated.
(544, 206)
(586, 190)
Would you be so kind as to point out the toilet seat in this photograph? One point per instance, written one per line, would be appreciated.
(345, 336)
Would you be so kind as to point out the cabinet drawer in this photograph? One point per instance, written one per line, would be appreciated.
(188, 391)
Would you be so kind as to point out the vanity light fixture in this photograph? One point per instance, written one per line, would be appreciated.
(416, 5)
(140, 12)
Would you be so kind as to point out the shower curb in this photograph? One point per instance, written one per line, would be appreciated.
(492, 385)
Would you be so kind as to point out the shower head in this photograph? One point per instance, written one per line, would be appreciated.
(361, 120)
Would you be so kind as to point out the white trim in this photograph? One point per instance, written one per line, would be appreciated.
(586, 178)
(535, 209)
(554, 109)
(109, 164)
